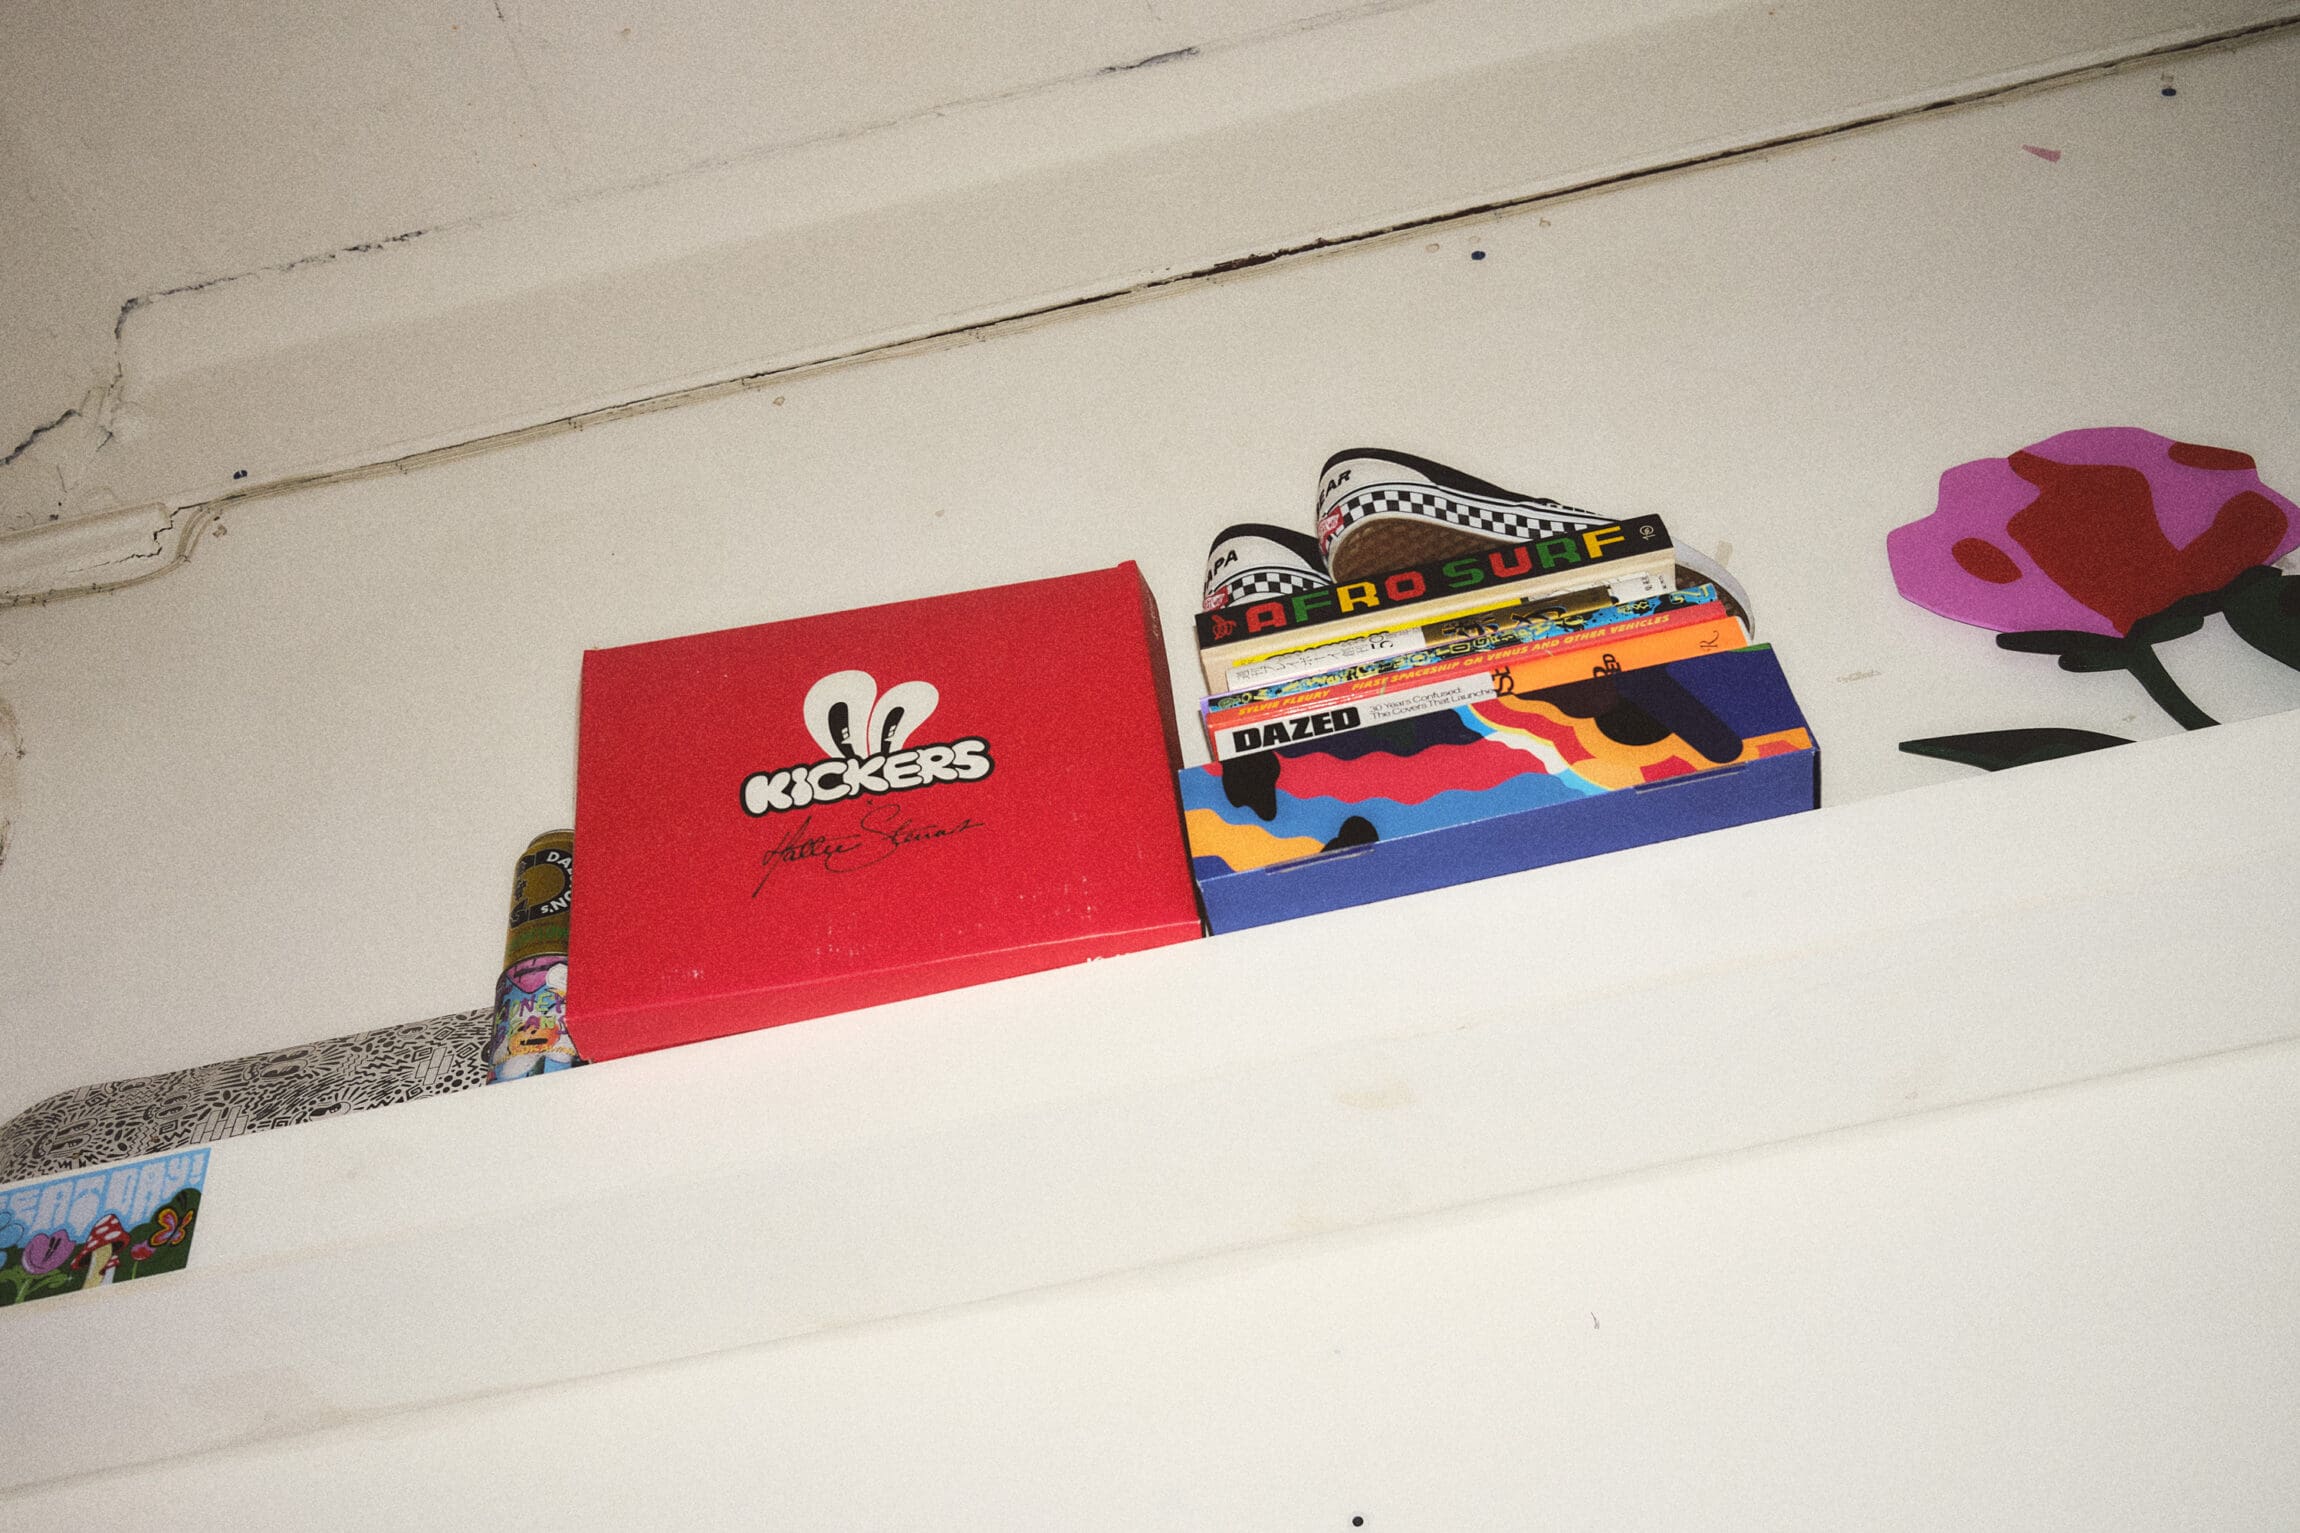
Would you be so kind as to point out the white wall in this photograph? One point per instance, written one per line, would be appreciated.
(150, 152)
(201, 322)
(275, 794)
(2066, 1312)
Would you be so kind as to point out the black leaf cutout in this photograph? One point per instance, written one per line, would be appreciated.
(2263, 606)
(1995, 749)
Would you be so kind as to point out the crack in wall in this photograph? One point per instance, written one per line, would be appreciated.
(172, 540)
(1168, 57)
(277, 268)
(534, 96)
(110, 395)
(38, 432)
(73, 440)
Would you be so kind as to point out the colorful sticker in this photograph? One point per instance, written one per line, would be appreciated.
(91, 1228)
(531, 1020)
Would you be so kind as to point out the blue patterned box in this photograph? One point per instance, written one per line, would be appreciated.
(1519, 782)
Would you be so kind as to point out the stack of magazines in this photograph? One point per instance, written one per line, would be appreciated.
(1498, 594)
(1444, 655)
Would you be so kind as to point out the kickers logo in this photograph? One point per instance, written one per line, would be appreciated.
(865, 739)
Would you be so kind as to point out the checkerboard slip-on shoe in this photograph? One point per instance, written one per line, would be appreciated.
(1250, 562)
(1380, 511)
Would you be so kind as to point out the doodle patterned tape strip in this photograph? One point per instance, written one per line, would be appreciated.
(121, 1120)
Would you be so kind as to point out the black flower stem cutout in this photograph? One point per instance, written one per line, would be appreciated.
(2134, 652)
(2147, 668)
(2263, 607)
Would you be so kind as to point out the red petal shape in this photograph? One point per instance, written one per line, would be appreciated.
(1983, 560)
(2093, 530)
(2197, 455)
(2244, 533)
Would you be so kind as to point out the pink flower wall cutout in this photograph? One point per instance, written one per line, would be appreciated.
(2097, 546)
(2090, 530)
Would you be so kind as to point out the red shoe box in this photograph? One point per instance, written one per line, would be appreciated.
(832, 812)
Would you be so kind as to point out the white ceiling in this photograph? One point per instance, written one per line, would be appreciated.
(254, 245)
(187, 142)
(146, 147)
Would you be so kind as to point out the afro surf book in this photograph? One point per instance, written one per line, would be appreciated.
(1629, 558)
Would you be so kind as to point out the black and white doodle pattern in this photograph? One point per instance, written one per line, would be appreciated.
(120, 1120)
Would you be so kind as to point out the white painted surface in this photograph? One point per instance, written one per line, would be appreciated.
(1289, 126)
(2070, 1311)
(276, 794)
(1926, 949)
(147, 149)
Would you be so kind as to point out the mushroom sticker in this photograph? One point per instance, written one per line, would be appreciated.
(2097, 547)
(88, 1229)
(100, 1253)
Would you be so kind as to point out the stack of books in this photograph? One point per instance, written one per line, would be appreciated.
(1462, 713)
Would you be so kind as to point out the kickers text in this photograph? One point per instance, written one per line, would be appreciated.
(842, 777)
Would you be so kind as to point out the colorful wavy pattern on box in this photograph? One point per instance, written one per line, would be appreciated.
(1460, 765)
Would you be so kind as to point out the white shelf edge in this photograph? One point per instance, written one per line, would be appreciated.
(1940, 947)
